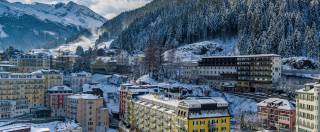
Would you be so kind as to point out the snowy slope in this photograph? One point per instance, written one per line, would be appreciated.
(193, 52)
(67, 14)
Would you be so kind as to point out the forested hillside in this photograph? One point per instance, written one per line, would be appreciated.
(286, 27)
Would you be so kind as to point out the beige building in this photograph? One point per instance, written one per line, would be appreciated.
(307, 108)
(88, 110)
(25, 87)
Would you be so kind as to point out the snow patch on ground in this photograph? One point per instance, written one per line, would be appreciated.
(146, 79)
(105, 44)
(195, 51)
(49, 33)
(305, 63)
(237, 104)
(2, 33)
(84, 42)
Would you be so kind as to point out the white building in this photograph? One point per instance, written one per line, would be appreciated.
(12, 109)
(307, 110)
(78, 79)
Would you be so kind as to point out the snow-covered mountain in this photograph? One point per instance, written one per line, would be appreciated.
(44, 25)
(67, 14)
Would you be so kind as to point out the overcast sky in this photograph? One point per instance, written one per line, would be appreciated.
(106, 8)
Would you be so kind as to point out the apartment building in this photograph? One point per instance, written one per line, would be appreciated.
(189, 71)
(64, 61)
(247, 73)
(56, 100)
(31, 62)
(25, 87)
(89, 111)
(52, 77)
(127, 94)
(153, 112)
(5, 66)
(307, 110)
(12, 108)
(78, 79)
(277, 114)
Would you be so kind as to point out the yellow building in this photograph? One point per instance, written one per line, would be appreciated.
(23, 86)
(52, 77)
(157, 113)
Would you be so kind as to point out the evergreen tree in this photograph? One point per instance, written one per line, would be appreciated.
(311, 42)
(79, 51)
(297, 43)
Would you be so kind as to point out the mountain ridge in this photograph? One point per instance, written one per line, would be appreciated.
(40, 25)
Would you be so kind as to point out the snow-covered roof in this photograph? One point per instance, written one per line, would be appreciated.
(47, 71)
(11, 128)
(82, 73)
(60, 88)
(279, 103)
(309, 88)
(83, 96)
(67, 126)
(242, 56)
(166, 101)
(197, 102)
(209, 113)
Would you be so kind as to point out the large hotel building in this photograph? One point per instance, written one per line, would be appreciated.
(247, 73)
(165, 108)
(307, 110)
(153, 112)
(27, 87)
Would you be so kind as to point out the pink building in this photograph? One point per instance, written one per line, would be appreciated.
(56, 98)
(277, 114)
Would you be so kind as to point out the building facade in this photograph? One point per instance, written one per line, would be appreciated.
(56, 100)
(88, 110)
(23, 87)
(64, 61)
(78, 79)
(307, 110)
(277, 114)
(31, 62)
(12, 109)
(52, 77)
(157, 113)
(247, 73)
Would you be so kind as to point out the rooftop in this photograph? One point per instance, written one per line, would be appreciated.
(60, 88)
(309, 88)
(159, 99)
(198, 101)
(83, 96)
(279, 103)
